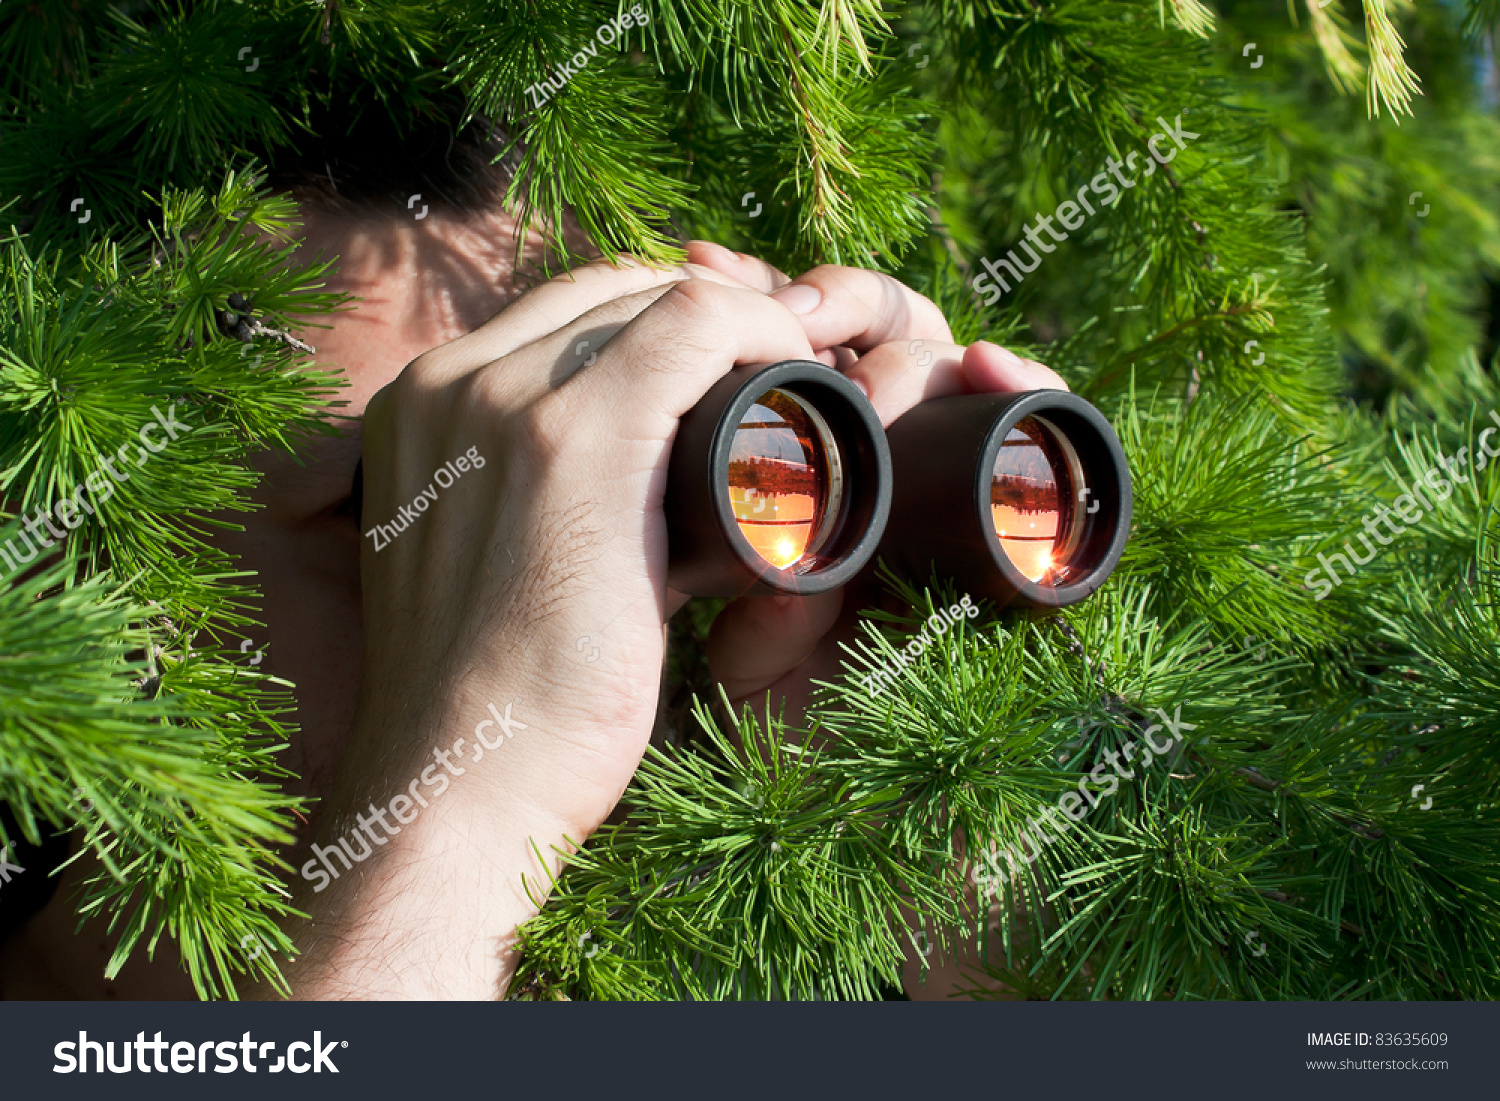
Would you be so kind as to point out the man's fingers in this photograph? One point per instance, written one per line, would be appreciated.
(577, 345)
(546, 308)
(897, 376)
(747, 269)
(989, 368)
(861, 309)
(662, 362)
(757, 640)
(556, 304)
(838, 306)
(852, 308)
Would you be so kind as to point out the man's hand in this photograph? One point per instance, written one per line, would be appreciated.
(896, 344)
(514, 616)
(514, 610)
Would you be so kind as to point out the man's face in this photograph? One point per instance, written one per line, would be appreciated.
(420, 285)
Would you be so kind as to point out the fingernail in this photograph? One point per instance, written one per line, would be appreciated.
(1003, 352)
(1037, 375)
(718, 249)
(800, 298)
(1006, 356)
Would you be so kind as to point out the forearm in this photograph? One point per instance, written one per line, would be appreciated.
(415, 888)
(428, 916)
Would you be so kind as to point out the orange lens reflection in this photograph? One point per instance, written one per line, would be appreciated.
(1031, 500)
(779, 482)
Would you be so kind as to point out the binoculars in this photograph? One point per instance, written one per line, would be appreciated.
(782, 480)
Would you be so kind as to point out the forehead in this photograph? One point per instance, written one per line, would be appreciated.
(416, 285)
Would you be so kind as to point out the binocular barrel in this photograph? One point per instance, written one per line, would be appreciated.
(782, 480)
(779, 482)
(1023, 498)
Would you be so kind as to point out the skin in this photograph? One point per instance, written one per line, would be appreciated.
(396, 654)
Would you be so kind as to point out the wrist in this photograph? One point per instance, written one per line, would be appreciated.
(445, 828)
(415, 885)
(497, 751)
(429, 911)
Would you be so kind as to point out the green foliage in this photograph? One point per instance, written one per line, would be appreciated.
(120, 714)
(1281, 852)
(112, 725)
(1284, 332)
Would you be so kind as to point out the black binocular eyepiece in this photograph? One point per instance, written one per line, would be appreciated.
(783, 481)
(1023, 498)
(780, 482)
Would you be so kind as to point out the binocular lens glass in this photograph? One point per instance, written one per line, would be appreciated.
(784, 478)
(1032, 492)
